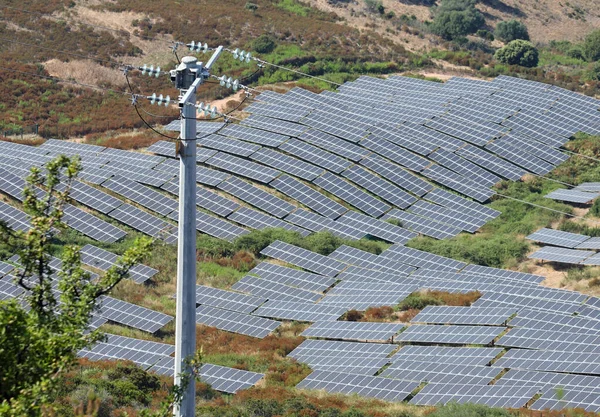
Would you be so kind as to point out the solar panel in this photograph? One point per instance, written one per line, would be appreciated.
(497, 316)
(274, 125)
(108, 351)
(560, 399)
(591, 243)
(539, 149)
(490, 395)
(554, 254)
(299, 311)
(257, 220)
(141, 194)
(243, 167)
(334, 144)
(452, 334)
(329, 348)
(362, 302)
(235, 322)
(333, 122)
(229, 145)
(274, 290)
(557, 237)
(464, 167)
(491, 162)
(465, 356)
(314, 155)
(15, 218)
(455, 202)
(503, 273)
(201, 126)
(92, 197)
(318, 223)
(379, 187)
(308, 196)
(499, 299)
(214, 226)
(400, 138)
(254, 135)
(358, 257)
(353, 330)
(421, 259)
(397, 175)
(303, 258)
(230, 380)
(104, 260)
(549, 381)
(209, 176)
(519, 156)
(423, 225)
(5, 268)
(293, 277)
(132, 315)
(540, 360)
(550, 340)
(144, 222)
(131, 158)
(458, 183)
(227, 300)
(366, 386)
(592, 187)
(206, 199)
(257, 197)
(572, 196)
(375, 227)
(440, 373)
(90, 225)
(544, 320)
(8, 289)
(352, 365)
(395, 153)
(286, 163)
(468, 132)
(278, 111)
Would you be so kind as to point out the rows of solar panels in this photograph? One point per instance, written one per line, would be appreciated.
(350, 161)
(566, 247)
(547, 338)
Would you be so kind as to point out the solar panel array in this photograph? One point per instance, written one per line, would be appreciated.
(465, 135)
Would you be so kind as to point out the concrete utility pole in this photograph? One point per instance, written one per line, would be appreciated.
(187, 77)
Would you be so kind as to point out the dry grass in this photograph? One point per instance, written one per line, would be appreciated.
(84, 72)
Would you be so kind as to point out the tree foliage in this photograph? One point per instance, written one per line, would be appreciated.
(591, 46)
(456, 18)
(41, 335)
(510, 30)
(264, 44)
(518, 52)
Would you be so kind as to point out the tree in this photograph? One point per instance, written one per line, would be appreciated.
(518, 52)
(41, 340)
(264, 44)
(591, 46)
(456, 18)
(511, 30)
(593, 74)
(253, 7)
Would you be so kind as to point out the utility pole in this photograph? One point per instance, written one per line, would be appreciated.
(187, 77)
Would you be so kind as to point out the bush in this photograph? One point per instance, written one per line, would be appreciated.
(511, 30)
(418, 301)
(456, 18)
(595, 209)
(485, 34)
(518, 52)
(375, 6)
(591, 46)
(264, 44)
(576, 52)
(469, 410)
(593, 74)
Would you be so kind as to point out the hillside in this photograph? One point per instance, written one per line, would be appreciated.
(388, 224)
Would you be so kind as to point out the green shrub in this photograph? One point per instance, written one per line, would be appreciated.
(518, 52)
(374, 6)
(418, 301)
(264, 44)
(485, 34)
(576, 52)
(455, 18)
(469, 410)
(591, 46)
(511, 30)
(593, 72)
(595, 209)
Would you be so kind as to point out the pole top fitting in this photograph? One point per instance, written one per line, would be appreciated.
(189, 60)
